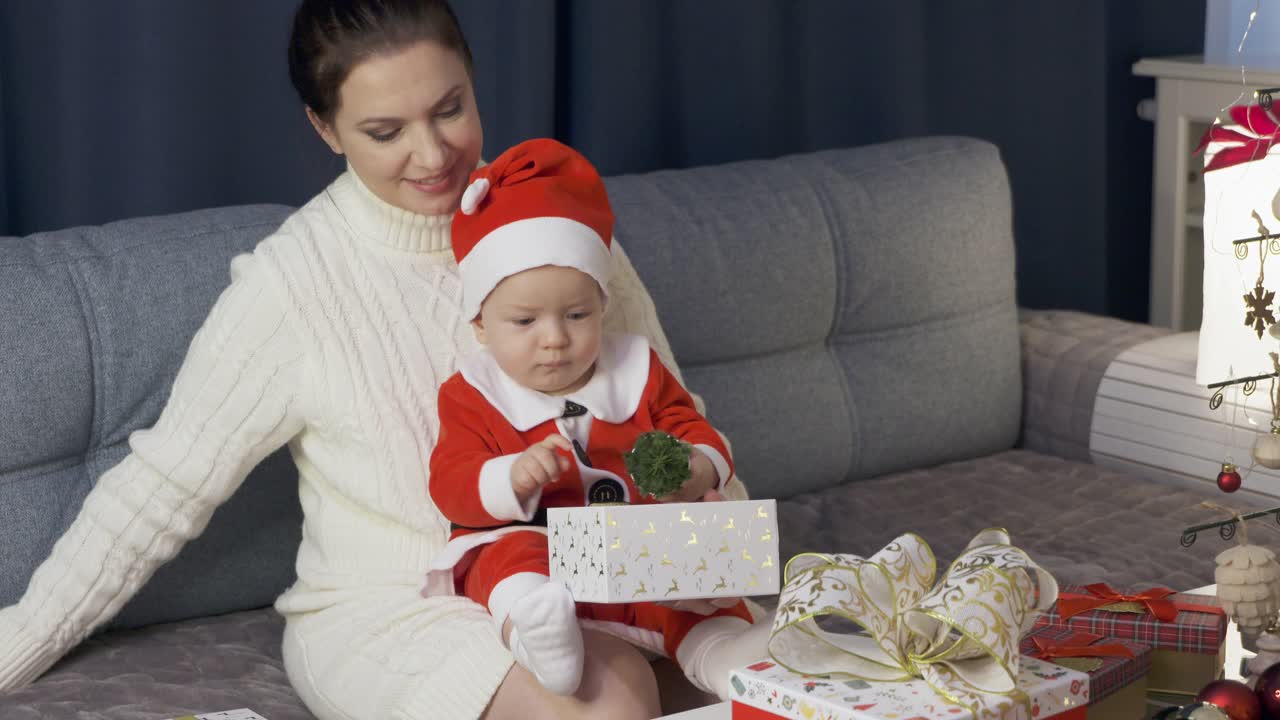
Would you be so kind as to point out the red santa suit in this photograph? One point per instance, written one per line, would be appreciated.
(498, 549)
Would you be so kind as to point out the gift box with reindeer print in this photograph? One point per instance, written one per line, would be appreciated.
(670, 551)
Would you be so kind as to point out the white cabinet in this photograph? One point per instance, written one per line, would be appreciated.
(1189, 95)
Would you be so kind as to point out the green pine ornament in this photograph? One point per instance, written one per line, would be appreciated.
(659, 463)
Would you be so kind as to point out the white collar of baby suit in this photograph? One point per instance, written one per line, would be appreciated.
(612, 394)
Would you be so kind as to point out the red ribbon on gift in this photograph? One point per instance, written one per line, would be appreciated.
(1078, 645)
(1242, 148)
(1155, 600)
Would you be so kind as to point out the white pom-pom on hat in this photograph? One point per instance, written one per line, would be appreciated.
(472, 196)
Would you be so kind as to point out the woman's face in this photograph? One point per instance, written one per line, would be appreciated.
(408, 124)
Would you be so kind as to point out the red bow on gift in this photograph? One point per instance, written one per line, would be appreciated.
(1244, 148)
(1078, 645)
(1154, 600)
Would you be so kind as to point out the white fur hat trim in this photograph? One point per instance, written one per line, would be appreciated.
(472, 196)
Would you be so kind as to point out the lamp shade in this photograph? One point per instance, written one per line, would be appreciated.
(1241, 250)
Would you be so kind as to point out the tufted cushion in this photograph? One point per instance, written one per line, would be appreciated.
(96, 321)
(845, 314)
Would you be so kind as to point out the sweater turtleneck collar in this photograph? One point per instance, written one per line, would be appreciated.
(375, 220)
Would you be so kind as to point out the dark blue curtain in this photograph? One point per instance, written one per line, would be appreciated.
(120, 108)
(116, 109)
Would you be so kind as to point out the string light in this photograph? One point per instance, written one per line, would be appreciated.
(1263, 97)
(1240, 54)
(1212, 225)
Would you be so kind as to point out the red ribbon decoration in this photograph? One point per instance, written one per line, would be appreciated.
(1078, 645)
(1154, 600)
(1243, 148)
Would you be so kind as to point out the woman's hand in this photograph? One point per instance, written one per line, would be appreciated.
(538, 466)
(703, 480)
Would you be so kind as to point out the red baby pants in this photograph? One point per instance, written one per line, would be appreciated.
(527, 551)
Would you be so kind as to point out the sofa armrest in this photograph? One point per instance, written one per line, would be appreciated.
(1064, 356)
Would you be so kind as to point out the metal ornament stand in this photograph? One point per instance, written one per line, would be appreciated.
(1227, 528)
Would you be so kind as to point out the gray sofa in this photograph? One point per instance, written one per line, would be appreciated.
(849, 317)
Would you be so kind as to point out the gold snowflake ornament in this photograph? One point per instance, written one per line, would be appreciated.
(1259, 316)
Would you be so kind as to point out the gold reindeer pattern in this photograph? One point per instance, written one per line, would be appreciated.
(656, 552)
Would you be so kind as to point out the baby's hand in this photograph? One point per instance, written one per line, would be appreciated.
(703, 478)
(539, 466)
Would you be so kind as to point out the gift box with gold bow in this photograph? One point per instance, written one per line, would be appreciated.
(1187, 633)
(1117, 668)
(667, 551)
(872, 638)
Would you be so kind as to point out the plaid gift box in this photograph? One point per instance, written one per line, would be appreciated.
(1117, 668)
(768, 691)
(1187, 633)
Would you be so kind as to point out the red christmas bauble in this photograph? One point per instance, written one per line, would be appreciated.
(1236, 699)
(1229, 478)
(1267, 688)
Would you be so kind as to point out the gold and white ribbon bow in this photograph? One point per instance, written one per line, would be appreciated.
(960, 636)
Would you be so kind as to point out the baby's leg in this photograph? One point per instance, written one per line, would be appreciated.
(536, 616)
(705, 647)
(718, 643)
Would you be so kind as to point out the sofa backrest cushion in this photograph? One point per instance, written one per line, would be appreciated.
(845, 313)
(95, 323)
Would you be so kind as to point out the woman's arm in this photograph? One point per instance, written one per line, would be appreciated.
(631, 310)
(232, 403)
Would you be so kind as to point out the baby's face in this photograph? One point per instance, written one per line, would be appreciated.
(543, 326)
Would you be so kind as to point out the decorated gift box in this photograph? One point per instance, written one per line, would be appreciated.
(766, 691)
(1187, 633)
(1117, 668)
(667, 551)
(874, 638)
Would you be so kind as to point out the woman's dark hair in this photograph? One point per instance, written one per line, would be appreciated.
(330, 37)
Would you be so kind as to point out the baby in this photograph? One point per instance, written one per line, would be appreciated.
(541, 415)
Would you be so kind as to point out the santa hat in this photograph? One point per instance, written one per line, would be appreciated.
(539, 203)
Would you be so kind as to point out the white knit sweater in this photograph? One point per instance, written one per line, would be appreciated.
(333, 337)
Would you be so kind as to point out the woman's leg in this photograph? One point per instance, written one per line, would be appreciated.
(617, 682)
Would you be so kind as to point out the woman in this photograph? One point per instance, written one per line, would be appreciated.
(333, 337)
